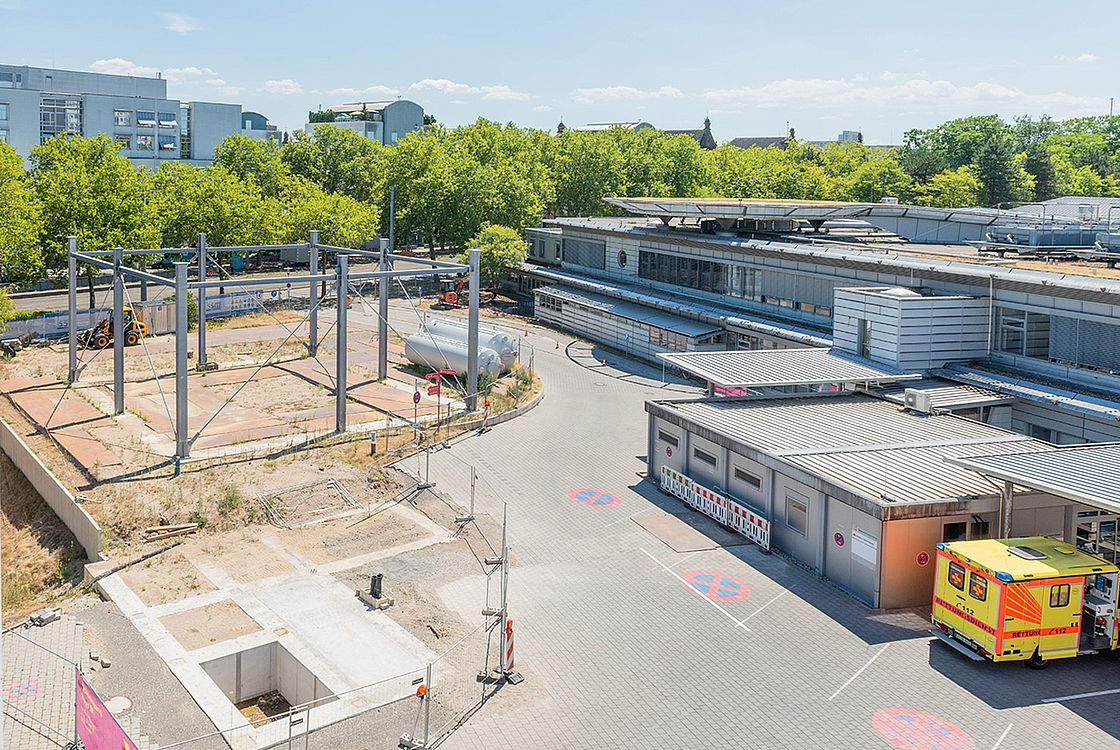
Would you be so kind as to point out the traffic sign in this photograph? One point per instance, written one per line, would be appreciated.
(433, 390)
(594, 498)
(433, 376)
(923, 559)
(416, 397)
(717, 586)
(838, 537)
(446, 372)
(669, 450)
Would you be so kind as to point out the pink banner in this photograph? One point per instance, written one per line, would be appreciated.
(96, 726)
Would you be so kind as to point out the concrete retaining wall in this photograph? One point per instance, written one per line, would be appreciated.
(54, 493)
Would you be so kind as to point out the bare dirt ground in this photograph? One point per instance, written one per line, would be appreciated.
(213, 623)
(166, 578)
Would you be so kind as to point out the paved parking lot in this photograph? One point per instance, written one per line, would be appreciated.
(634, 644)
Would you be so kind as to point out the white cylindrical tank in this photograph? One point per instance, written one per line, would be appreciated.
(502, 343)
(426, 350)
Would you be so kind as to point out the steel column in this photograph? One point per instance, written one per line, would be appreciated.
(340, 345)
(1008, 497)
(202, 263)
(472, 332)
(393, 218)
(72, 308)
(182, 445)
(383, 311)
(118, 334)
(313, 316)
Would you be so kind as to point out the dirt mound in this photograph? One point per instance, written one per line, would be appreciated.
(42, 559)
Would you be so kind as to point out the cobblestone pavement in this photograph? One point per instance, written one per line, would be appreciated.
(38, 684)
(626, 654)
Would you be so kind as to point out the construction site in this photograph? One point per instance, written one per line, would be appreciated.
(255, 495)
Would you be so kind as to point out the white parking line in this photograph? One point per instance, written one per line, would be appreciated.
(1002, 736)
(689, 586)
(860, 671)
(764, 606)
(686, 557)
(1078, 696)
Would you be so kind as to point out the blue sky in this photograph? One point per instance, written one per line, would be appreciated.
(878, 67)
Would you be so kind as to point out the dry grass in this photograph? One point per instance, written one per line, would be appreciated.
(42, 560)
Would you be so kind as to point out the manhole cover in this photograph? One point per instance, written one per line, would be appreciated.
(118, 704)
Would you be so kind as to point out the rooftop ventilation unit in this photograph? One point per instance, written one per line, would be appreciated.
(918, 401)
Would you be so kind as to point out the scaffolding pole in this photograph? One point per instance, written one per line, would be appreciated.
(313, 318)
(72, 308)
(182, 443)
(202, 263)
(472, 332)
(118, 333)
(383, 311)
(343, 292)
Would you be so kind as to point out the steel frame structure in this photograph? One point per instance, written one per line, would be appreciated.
(341, 278)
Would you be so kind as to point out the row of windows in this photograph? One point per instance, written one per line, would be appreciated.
(978, 586)
(145, 142)
(549, 303)
(4, 122)
(122, 118)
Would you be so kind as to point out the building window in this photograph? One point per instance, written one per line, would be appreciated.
(703, 275)
(863, 342)
(954, 532)
(978, 587)
(3, 135)
(956, 576)
(122, 118)
(10, 80)
(1038, 432)
(167, 120)
(707, 458)
(549, 303)
(123, 141)
(797, 513)
(145, 142)
(146, 119)
(1059, 595)
(59, 115)
(588, 253)
(168, 143)
(393, 137)
(3, 112)
(747, 477)
(666, 437)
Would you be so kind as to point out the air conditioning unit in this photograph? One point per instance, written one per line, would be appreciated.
(918, 401)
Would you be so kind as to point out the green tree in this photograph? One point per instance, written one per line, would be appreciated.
(341, 220)
(87, 189)
(337, 159)
(995, 165)
(21, 222)
(250, 159)
(1038, 162)
(231, 211)
(501, 248)
(879, 178)
(953, 188)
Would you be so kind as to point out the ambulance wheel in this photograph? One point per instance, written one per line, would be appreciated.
(1037, 662)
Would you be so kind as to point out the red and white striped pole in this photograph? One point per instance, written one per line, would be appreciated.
(507, 663)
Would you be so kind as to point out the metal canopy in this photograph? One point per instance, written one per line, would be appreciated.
(945, 394)
(1086, 474)
(781, 367)
(630, 311)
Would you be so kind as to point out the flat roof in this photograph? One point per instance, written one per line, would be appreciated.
(945, 394)
(1086, 474)
(778, 367)
(862, 444)
(997, 556)
(1011, 384)
(629, 311)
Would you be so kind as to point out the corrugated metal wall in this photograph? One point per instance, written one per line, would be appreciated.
(586, 253)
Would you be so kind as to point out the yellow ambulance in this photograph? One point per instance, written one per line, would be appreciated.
(1031, 599)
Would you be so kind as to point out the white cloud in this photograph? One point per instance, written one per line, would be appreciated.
(180, 23)
(375, 90)
(542, 108)
(454, 88)
(822, 93)
(185, 74)
(284, 87)
(121, 67)
(504, 94)
(1084, 57)
(624, 93)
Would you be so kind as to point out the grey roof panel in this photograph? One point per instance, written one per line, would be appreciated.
(1032, 390)
(629, 310)
(1087, 474)
(945, 394)
(782, 367)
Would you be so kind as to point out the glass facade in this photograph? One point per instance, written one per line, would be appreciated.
(703, 275)
(59, 115)
(145, 142)
(122, 118)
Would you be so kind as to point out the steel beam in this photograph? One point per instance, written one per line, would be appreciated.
(202, 262)
(383, 312)
(182, 443)
(72, 308)
(118, 334)
(219, 283)
(472, 336)
(427, 261)
(405, 273)
(313, 315)
(340, 345)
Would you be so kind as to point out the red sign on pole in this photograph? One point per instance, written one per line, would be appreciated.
(96, 727)
(433, 376)
(446, 372)
(433, 390)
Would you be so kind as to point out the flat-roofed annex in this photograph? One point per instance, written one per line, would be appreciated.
(784, 367)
